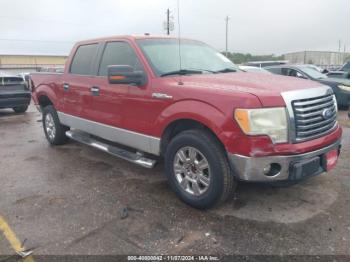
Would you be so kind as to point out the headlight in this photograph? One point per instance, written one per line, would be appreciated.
(345, 88)
(264, 121)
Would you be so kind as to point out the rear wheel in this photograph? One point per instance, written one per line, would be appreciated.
(20, 109)
(197, 169)
(54, 131)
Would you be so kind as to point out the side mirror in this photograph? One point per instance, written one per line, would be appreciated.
(124, 74)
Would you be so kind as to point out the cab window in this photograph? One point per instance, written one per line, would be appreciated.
(118, 53)
(83, 59)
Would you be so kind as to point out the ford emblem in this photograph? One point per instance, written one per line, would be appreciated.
(327, 114)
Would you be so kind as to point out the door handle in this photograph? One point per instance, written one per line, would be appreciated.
(65, 87)
(95, 90)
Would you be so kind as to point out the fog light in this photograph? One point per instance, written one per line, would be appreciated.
(272, 169)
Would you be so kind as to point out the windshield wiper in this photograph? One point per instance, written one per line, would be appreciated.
(226, 70)
(182, 72)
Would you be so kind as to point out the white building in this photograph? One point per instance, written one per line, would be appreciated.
(320, 58)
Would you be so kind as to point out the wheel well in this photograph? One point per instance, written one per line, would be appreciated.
(44, 101)
(179, 126)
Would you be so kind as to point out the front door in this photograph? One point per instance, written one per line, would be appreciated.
(108, 101)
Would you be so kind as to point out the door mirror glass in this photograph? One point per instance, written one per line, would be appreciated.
(124, 74)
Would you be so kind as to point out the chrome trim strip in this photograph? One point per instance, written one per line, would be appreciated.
(251, 168)
(317, 125)
(290, 96)
(145, 143)
(161, 96)
(316, 101)
(323, 106)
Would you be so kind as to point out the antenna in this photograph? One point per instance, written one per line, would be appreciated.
(179, 33)
(226, 49)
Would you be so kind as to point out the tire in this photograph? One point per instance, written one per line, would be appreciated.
(20, 109)
(54, 131)
(194, 184)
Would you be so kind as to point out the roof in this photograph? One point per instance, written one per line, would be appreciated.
(129, 37)
(286, 65)
(264, 62)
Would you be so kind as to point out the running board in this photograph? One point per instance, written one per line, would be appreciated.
(136, 158)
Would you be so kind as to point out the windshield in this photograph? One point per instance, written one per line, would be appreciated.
(316, 68)
(346, 67)
(312, 72)
(163, 56)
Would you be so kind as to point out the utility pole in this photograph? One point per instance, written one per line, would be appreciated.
(168, 21)
(168, 24)
(339, 53)
(226, 49)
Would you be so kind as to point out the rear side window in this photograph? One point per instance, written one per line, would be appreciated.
(83, 58)
(275, 70)
(118, 53)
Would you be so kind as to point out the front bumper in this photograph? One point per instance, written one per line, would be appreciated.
(14, 99)
(292, 167)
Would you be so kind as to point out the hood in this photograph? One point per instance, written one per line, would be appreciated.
(267, 87)
(336, 81)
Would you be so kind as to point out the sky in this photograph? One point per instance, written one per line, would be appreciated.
(255, 26)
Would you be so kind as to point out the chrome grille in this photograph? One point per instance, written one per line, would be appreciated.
(314, 116)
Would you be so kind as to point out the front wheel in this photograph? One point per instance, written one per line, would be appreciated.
(198, 170)
(54, 131)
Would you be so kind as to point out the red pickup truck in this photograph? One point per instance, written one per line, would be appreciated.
(146, 98)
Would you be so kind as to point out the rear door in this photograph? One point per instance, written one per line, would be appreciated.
(79, 80)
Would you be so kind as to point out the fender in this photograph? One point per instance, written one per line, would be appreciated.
(45, 84)
(199, 111)
(46, 90)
